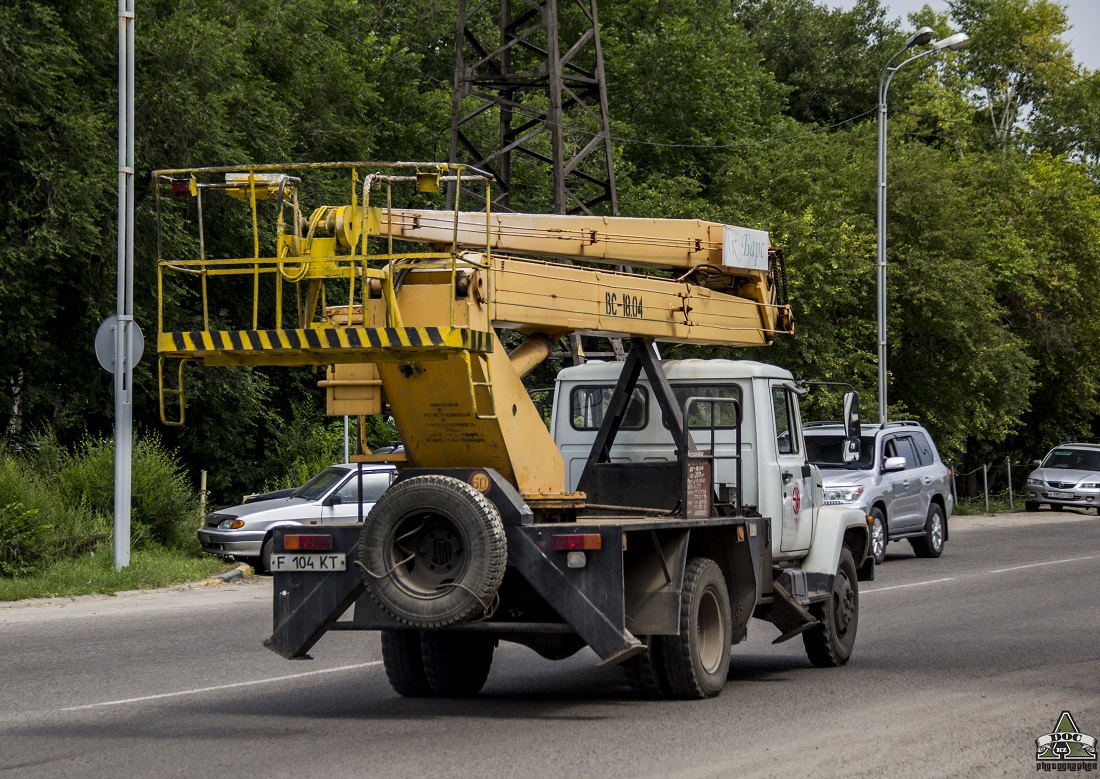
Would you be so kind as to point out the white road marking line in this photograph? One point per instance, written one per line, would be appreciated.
(223, 686)
(1049, 562)
(899, 586)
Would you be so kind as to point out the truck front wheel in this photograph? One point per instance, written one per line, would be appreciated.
(830, 643)
(697, 660)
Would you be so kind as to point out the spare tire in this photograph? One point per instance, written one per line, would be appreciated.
(433, 551)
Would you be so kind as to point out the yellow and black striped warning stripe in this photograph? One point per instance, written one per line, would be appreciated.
(198, 342)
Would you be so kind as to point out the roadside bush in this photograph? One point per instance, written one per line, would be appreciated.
(22, 543)
(164, 509)
(59, 504)
(36, 516)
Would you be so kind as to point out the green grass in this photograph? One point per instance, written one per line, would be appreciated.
(149, 568)
(997, 504)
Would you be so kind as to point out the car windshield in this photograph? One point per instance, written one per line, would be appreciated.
(826, 451)
(320, 484)
(1073, 459)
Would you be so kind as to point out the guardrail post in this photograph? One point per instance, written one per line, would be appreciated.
(985, 485)
(1008, 463)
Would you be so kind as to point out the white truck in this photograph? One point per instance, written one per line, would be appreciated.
(669, 502)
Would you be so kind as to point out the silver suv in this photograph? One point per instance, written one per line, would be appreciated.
(1068, 476)
(898, 480)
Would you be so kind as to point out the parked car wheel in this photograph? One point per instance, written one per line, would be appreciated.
(878, 536)
(935, 532)
(265, 554)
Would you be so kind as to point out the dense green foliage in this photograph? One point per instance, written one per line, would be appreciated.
(57, 502)
(758, 112)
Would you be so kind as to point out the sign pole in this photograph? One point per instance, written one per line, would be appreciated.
(124, 368)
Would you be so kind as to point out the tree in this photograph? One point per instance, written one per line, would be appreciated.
(1018, 58)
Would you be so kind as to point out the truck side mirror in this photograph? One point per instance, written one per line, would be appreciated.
(850, 450)
(851, 416)
(332, 500)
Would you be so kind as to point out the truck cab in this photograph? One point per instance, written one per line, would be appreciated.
(769, 472)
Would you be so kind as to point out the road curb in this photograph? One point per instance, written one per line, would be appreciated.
(240, 572)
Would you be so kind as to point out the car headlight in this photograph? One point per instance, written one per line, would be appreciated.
(1036, 482)
(1092, 485)
(230, 524)
(842, 494)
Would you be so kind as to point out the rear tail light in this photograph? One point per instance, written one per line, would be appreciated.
(950, 477)
(577, 542)
(306, 543)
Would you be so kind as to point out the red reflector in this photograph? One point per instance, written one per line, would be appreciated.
(578, 541)
(303, 543)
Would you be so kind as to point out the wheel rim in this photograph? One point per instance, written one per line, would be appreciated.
(937, 531)
(709, 632)
(427, 552)
(843, 604)
(878, 539)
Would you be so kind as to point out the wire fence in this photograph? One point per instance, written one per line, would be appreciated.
(1000, 481)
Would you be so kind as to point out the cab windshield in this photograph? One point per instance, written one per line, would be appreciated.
(1073, 459)
(826, 451)
(320, 484)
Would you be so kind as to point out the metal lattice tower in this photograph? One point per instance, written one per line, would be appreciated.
(529, 82)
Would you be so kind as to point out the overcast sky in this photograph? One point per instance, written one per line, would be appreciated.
(1084, 15)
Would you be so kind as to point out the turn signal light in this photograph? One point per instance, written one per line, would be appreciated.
(303, 543)
(578, 542)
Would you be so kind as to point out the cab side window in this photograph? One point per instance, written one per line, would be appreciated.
(786, 416)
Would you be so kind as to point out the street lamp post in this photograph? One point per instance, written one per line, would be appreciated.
(921, 37)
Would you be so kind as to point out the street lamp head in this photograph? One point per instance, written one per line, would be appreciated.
(921, 37)
(956, 42)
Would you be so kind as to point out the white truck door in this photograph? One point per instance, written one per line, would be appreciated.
(795, 474)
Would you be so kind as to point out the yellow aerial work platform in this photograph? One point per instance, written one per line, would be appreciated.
(408, 299)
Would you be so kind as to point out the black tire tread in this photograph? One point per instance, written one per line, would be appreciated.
(645, 672)
(457, 665)
(404, 663)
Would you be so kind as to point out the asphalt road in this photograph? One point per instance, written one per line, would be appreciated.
(960, 664)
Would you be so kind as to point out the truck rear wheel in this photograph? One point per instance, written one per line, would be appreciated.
(433, 551)
(401, 654)
(645, 672)
(456, 665)
(697, 661)
(830, 643)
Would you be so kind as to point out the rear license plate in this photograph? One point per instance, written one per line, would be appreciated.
(309, 562)
(1061, 495)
